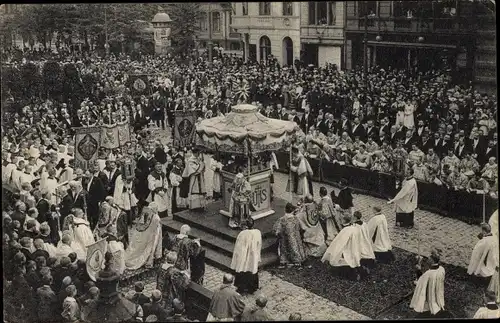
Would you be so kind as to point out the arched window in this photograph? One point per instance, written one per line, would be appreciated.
(265, 48)
(216, 22)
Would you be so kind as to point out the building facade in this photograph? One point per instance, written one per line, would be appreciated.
(308, 31)
(215, 26)
(419, 35)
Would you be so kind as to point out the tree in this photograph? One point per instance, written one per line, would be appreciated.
(52, 79)
(186, 18)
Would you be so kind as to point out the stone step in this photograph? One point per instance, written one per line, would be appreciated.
(215, 242)
(223, 262)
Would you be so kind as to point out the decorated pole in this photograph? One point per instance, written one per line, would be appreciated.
(290, 173)
(484, 206)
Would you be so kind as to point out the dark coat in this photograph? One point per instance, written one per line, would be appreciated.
(47, 306)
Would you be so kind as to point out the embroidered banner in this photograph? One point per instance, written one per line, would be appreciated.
(139, 84)
(110, 136)
(87, 140)
(123, 133)
(184, 129)
(95, 257)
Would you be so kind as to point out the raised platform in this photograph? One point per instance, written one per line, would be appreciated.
(218, 239)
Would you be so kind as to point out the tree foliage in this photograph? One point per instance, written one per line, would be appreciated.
(186, 18)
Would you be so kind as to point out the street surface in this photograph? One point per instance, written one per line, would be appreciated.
(455, 238)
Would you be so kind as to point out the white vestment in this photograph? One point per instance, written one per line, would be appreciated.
(494, 285)
(344, 249)
(162, 199)
(486, 313)
(216, 167)
(83, 237)
(50, 186)
(175, 181)
(407, 198)
(123, 195)
(484, 258)
(377, 226)
(365, 243)
(246, 255)
(493, 222)
(145, 243)
(194, 170)
(429, 292)
(116, 248)
(63, 250)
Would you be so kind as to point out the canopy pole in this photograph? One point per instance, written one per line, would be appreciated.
(249, 164)
(484, 206)
(290, 174)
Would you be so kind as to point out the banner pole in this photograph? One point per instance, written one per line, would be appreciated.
(290, 174)
(484, 207)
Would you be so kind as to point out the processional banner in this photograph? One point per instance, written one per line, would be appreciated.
(87, 140)
(139, 84)
(115, 135)
(95, 257)
(185, 128)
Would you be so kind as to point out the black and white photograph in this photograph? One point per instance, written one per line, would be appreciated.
(249, 161)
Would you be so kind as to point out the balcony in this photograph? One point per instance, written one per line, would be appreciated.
(323, 32)
(454, 25)
(265, 22)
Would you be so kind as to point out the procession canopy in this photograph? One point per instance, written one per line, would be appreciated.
(244, 130)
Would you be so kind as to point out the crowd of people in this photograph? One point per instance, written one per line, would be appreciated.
(387, 121)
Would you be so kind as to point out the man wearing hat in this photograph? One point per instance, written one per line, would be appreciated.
(156, 307)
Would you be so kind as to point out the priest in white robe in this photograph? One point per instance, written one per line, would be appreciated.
(344, 253)
(64, 247)
(194, 171)
(177, 202)
(428, 297)
(365, 243)
(406, 201)
(379, 234)
(124, 195)
(493, 222)
(145, 240)
(50, 185)
(490, 310)
(82, 234)
(246, 258)
(313, 235)
(300, 182)
(484, 258)
(216, 167)
(158, 187)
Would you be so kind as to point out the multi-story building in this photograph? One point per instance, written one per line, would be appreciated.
(309, 31)
(421, 34)
(215, 26)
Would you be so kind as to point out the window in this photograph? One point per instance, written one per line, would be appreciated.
(322, 12)
(216, 22)
(265, 48)
(287, 8)
(264, 8)
(235, 45)
(367, 8)
(203, 22)
(244, 7)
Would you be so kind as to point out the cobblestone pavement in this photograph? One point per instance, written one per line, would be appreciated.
(283, 297)
(455, 238)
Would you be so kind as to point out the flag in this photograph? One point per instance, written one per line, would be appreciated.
(87, 140)
(95, 257)
(185, 128)
(139, 84)
(110, 136)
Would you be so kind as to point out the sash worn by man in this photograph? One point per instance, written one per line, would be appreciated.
(300, 183)
(194, 171)
(406, 201)
(239, 206)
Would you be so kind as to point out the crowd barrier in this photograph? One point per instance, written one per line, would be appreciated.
(461, 205)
